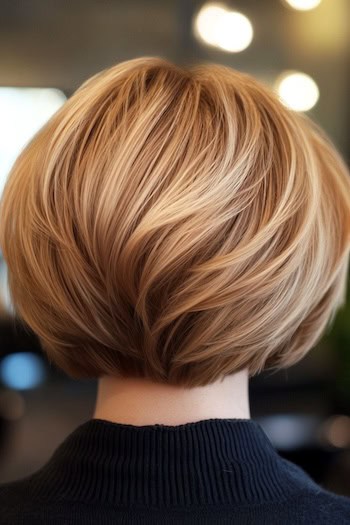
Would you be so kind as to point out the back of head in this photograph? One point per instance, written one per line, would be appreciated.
(176, 223)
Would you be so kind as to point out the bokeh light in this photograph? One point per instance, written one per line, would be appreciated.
(337, 431)
(12, 405)
(297, 90)
(22, 370)
(218, 26)
(303, 5)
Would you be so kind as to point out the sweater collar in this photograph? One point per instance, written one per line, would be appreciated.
(212, 461)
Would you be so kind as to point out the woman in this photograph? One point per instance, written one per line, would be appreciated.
(174, 231)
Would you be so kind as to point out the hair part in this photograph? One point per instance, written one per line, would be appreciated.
(176, 223)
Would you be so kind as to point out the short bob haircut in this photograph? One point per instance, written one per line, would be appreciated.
(178, 224)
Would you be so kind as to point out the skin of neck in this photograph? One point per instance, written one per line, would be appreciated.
(138, 401)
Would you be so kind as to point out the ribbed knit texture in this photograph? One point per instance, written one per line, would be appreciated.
(209, 471)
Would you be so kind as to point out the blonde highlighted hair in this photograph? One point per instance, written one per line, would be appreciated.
(176, 223)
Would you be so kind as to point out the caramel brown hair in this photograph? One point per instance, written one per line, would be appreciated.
(176, 223)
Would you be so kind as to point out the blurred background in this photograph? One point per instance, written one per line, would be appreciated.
(298, 47)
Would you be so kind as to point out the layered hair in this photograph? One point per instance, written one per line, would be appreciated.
(178, 224)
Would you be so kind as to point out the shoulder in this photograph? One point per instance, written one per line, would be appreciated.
(12, 491)
(18, 504)
(312, 502)
(323, 507)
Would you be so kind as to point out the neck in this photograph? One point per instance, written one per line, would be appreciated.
(140, 402)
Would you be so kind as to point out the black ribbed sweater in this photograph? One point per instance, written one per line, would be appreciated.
(210, 471)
